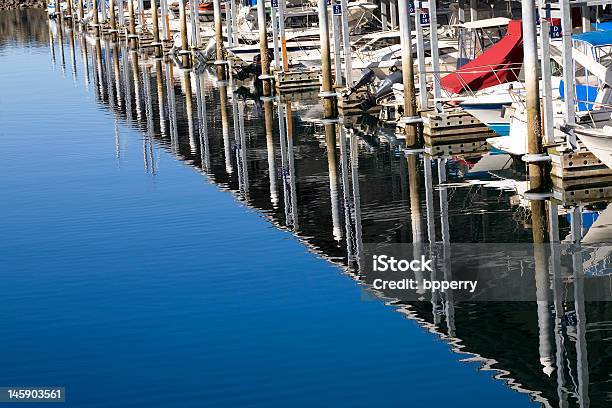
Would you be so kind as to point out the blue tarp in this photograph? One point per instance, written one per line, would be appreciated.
(595, 38)
(583, 93)
(603, 26)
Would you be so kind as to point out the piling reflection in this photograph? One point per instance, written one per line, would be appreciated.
(354, 187)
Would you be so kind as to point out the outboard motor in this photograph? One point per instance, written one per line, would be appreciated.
(365, 80)
(385, 88)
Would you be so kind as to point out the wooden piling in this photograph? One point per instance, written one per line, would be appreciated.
(96, 19)
(327, 92)
(532, 95)
(263, 47)
(156, 40)
(221, 72)
(185, 53)
(132, 26)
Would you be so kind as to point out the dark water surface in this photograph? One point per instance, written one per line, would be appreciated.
(164, 250)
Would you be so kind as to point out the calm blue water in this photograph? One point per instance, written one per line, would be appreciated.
(138, 290)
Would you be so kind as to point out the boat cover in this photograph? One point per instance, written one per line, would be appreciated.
(499, 64)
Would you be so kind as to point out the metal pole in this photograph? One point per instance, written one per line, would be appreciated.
(275, 38)
(229, 22)
(473, 10)
(568, 71)
(183, 27)
(103, 11)
(549, 129)
(407, 69)
(346, 45)
(420, 45)
(383, 14)
(165, 19)
(221, 75)
(532, 87)
(156, 40)
(435, 54)
(337, 46)
(195, 24)
(141, 17)
(263, 47)
(329, 106)
(393, 13)
(586, 19)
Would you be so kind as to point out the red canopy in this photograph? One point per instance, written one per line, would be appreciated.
(499, 64)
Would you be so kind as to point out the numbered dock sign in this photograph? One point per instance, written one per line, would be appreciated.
(555, 28)
(328, 2)
(337, 9)
(411, 7)
(424, 16)
(274, 3)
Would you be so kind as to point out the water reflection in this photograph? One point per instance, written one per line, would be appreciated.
(354, 186)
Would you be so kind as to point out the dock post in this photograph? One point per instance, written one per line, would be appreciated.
(346, 45)
(263, 47)
(534, 136)
(221, 74)
(461, 11)
(156, 40)
(393, 13)
(163, 5)
(195, 24)
(337, 45)
(568, 72)
(281, 31)
(185, 60)
(435, 55)
(111, 20)
(547, 114)
(229, 22)
(420, 46)
(81, 11)
(141, 17)
(275, 37)
(69, 10)
(132, 25)
(383, 15)
(407, 71)
(96, 19)
(473, 10)
(586, 19)
(327, 93)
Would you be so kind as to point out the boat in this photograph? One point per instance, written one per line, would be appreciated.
(593, 103)
(598, 141)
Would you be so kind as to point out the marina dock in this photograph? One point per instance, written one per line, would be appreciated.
(458, 139)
